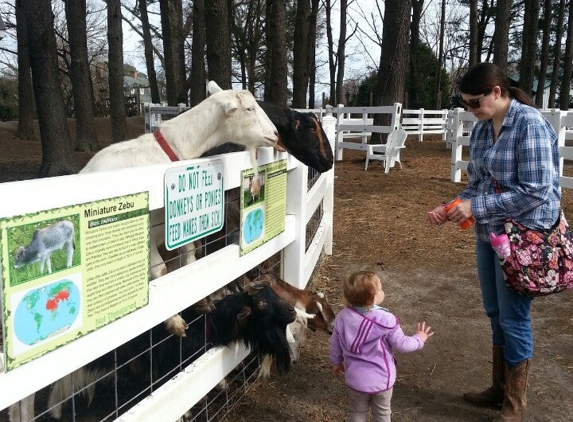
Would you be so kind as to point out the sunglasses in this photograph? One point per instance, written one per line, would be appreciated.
(474, 102)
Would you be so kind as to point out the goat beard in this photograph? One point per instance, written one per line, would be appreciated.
(271, 340)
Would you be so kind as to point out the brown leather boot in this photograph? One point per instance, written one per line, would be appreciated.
(514, 407)
(492, 396)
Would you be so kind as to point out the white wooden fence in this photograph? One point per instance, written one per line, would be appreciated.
(179, 289)
(357, 122)
(425, 122)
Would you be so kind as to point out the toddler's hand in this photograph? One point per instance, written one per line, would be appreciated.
(424, 332)
(437, 215)
(337, 369)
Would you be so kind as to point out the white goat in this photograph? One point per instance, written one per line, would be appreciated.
(44, 242)
(225, 116)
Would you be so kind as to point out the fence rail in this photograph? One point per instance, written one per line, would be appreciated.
(425, 122)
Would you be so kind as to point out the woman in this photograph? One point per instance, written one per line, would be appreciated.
(513, 147)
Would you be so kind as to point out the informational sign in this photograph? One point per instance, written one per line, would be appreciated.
(194, 202)
(263, 205)
(68, 271)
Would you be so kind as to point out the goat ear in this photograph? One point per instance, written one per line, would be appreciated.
(265, 267)
(213, 88)
(244, 314)
(230, 107)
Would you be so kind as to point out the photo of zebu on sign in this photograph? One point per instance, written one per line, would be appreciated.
(45, 242)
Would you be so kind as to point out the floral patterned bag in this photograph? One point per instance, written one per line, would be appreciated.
(541, 262)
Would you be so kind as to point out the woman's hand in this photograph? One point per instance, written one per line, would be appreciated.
(437, 215)
(460, 212)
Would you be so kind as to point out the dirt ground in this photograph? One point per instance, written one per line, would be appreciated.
(428, 274)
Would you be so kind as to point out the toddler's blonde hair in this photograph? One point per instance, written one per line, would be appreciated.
(360, 288)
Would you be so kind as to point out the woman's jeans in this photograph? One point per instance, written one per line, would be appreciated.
(507, 310)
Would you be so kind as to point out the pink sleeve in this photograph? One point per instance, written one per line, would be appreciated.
(403, 343)
(335, 348)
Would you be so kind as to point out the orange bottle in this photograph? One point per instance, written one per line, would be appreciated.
(468, 222)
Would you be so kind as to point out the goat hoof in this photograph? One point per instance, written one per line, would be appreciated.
(203, 307)
(176, 325)
(222, 385)
(158, 271)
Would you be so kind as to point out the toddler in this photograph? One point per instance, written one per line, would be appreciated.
(364, 337)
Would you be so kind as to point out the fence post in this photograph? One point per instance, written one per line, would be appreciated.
(421, 127)
(457, 131)
(445, 119)
(339, 116)
(329, 126)
(292, 264)
(555, 117)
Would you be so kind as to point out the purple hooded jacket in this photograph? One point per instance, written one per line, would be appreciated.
(365, 344)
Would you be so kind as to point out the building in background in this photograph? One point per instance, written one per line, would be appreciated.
(135, 87)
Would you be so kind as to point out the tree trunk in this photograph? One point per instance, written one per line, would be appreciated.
(57, 157)
(544, 59)
(86, 136)
(341, 52)
(331, 55)
(529, 46)
(417, 8)
(277, 84)
(115, 68)
(391, 78)
(148, 51)
(475, 54)
(564, 99)
(312, 52)
(440, 57)
(172, 27)
(254, 42)
(501, 34)
(218, 42)
(197, 83)
(556, 54)
(484, 18)
(300, 54)
(26, 105)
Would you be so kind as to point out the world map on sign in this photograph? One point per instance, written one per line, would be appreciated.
(46, 311)
(253, 226)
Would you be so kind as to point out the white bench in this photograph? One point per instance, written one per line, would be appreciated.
(389, 153)
(363, 127)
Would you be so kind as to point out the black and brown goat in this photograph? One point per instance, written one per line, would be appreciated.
(311, 302)
(301, 134)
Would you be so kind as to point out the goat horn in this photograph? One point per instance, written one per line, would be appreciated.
(254, 287)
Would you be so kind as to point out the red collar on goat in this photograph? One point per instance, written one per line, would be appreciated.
(165, 146)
